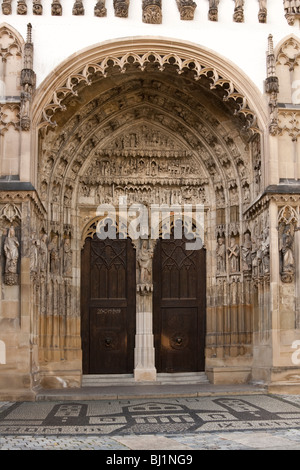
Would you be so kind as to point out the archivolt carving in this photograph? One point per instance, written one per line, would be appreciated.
(86, 74)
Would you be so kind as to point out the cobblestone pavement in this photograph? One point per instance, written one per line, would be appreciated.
(255, 422)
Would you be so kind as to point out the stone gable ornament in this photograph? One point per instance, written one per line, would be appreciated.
(100, 9)
(152, 12)
(186, 8)
(238, 15)
(121, 8)
(56, 8)
(78, 8)
(37, 7)
(6, 7)
(22, 7)
(213, 10)
(11, 250)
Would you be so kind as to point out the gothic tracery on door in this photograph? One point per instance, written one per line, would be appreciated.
(108, 306)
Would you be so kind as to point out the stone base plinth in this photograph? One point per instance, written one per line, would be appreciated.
(228, 375)
(144, 375)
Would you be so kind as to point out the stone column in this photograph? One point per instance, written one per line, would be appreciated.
(144, 341)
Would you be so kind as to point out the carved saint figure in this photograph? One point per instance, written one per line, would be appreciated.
(246, 252)
(262, 14)
(34, 254)
(213, 10)
(145, 263)
(43, 253)
(11, 250)
(288, 261)
(67, 257)
(221, 256)
(54, 255)
(78, 8)
(233, 255)
(238, 15)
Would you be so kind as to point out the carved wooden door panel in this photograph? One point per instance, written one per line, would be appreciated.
(179, 307)
(108, 306)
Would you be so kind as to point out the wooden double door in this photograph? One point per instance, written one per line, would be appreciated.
(108, 299)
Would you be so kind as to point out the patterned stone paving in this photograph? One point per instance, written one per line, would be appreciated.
(171, 416)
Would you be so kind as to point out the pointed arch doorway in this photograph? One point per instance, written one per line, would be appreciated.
(108, 306)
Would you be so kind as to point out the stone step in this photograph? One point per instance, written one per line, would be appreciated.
(128, 379)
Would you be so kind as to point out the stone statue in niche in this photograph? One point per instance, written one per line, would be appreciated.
(54, 255)
(152, 13)
(67, 257)
(6, 7)
(238, 15)
(221, 255)
(43, 253)
(287, 253)
(100, 9)
(144, 258)
(78, 8)
(34, 254)
(265, 252)
(11, 250)
(56, 8)
(37, 7)
(234, 256)
(22, 7)
(213, 10)
(246, 253)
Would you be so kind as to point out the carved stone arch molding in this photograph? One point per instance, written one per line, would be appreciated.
(148, 121)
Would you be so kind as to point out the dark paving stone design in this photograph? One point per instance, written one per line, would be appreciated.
(150, 416)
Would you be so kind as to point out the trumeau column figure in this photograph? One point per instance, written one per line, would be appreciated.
(100, 9)
(213, 10)
(6, 7)
(121, 8)
(152, 12)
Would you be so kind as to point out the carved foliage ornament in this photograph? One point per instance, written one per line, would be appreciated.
(142, 60)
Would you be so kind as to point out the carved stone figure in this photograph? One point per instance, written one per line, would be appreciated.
(11, 250)
(54, 255)
(287, 255)
(187, 9)
(67, 257)
(238, 15)
(100, 9)
(221, 256)
(246, 253)
(121, 8)
(56, 8)
(22, 7)
(262, 14)
(78, 8)
(6, 7)
(43, 253)
(34, 254)
(37, 7)
(145, 256)
(234, 256)
(213, 10)
(265, 252)
(152, 12)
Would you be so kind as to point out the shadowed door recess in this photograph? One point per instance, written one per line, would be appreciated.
(108, 306)
(179, 307)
